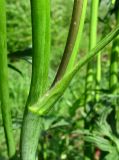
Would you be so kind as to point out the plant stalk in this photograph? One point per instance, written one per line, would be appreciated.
(92, 43)
(89, 90)
(114, 61)
(76, 22)
(32, 124)
(113, 83)
(4, 88)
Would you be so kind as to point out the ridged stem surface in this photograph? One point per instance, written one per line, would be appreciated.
(32, 124)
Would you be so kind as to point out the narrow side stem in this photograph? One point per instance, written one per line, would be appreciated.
(98, 77)
(92, 43)
(114, 61)
(4, 89)
(113, 82)
(75, 22)
(90, 81)
(74, 38)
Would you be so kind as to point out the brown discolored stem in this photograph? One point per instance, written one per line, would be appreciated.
(73, 31)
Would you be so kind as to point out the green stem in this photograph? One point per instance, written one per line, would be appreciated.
(98, 76)
(114, 67)
(114, 62)
(4, 91)
(114, 74)
(89, 90)
(92, 44)
(32, 124)
(41, 48)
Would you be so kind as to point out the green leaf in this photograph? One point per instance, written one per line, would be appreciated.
(102, 127)
(51, 122)
(114, 155)
(100, 142)
(60, 123)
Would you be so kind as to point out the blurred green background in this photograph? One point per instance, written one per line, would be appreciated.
(60, 136)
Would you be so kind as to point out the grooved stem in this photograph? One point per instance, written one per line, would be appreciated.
(32, 124)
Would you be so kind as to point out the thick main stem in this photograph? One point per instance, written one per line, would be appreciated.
(32, 124)
(4, 91)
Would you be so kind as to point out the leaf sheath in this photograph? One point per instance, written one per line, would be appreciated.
(45, 104)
